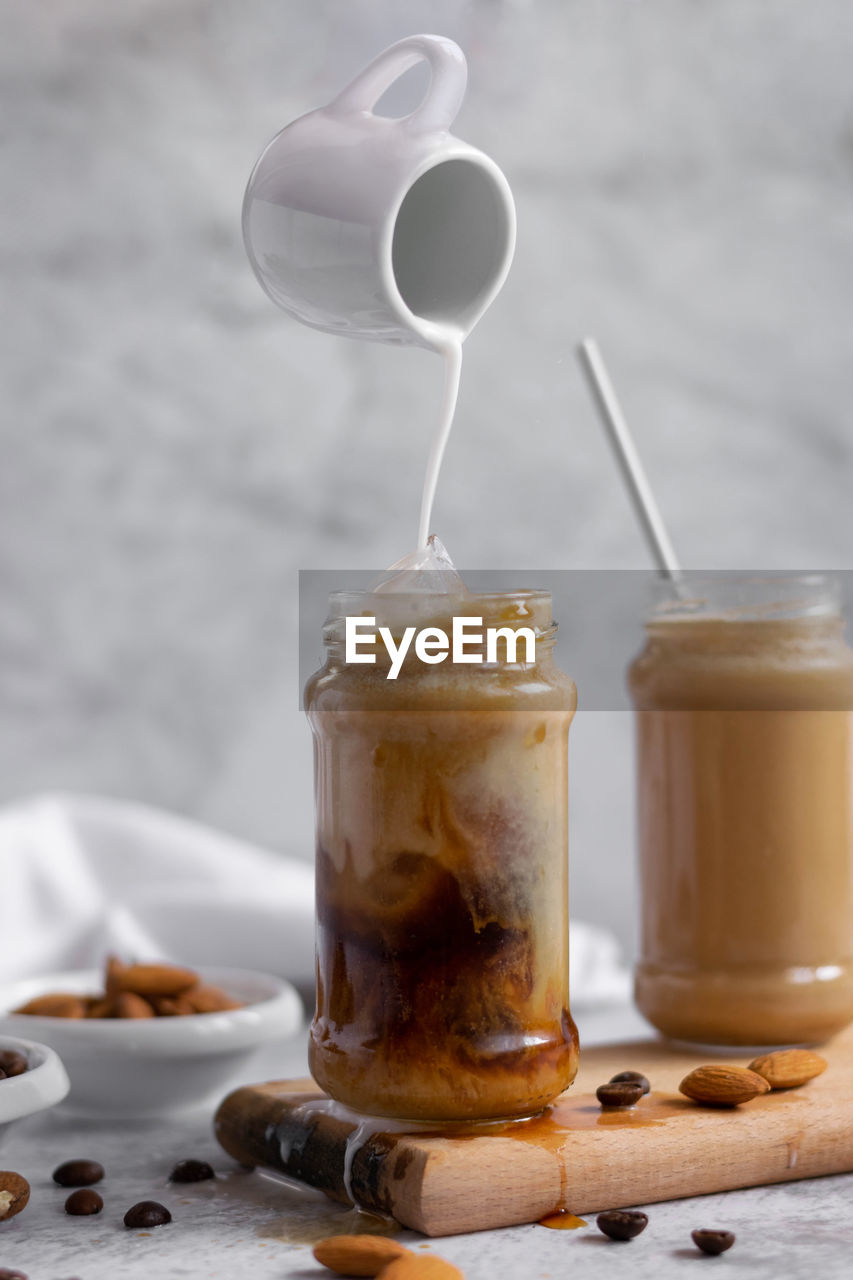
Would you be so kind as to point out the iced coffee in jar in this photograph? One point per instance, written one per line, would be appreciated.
(442, 904)
(744, 710)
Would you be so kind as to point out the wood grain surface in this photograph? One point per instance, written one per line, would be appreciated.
(574, 1157)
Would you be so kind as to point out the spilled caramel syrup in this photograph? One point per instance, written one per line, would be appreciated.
(553, 1126)
(562, 1220)
(309, 1223)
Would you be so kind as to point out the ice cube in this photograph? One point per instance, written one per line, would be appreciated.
(423, 587)
(428, 570)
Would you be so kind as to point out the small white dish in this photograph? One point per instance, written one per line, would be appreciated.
(42, 1086)
(150, 1066)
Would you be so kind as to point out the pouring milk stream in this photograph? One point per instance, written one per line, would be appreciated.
(387, 229)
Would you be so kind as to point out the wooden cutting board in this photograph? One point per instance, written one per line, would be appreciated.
(575, 1157)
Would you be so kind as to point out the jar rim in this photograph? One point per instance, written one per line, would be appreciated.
(522, 594)
(398, 609)
(731, 596)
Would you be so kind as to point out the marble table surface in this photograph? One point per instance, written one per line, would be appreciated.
(251, 1224)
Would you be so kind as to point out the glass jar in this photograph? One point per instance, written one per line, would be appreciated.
(442, 898)
(743, 696)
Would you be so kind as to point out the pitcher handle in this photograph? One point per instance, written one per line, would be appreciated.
(446, 88)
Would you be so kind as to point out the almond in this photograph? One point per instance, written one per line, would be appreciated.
(114, 971)
(209, 1000)
(171, 1006)
(54, 1004)
(14, 1194)
(788, 1068)
(157, 979)
(97, 1008)
(720, 1086)
(130, 1005)
(358, 1255)
(421, 1266)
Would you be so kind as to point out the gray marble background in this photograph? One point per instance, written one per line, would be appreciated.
(174, 450)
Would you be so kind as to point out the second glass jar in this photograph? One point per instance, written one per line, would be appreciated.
(744, 707)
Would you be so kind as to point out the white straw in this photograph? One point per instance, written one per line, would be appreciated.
(620, 438)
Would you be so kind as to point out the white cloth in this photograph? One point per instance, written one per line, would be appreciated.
(81, 876)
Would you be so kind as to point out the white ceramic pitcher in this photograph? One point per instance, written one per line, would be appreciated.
(379, 228)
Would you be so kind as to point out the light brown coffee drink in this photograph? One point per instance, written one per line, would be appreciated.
(744, 703)
(442, 931)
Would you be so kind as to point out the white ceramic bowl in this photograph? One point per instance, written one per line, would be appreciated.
(148, 1066)
(42, 1086)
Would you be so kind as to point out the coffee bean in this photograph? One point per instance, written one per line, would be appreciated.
(622, 1094)
(631, 1077)
(78, 1173)
(6, 1274)
(191, 1171)
(3, 1075)
(622, 1224)
(713, 1242)
(148, 1213)
(13, 1063)
(83, 1202)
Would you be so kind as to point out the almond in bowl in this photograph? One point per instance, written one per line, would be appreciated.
(135, 991)
(141, 1052)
